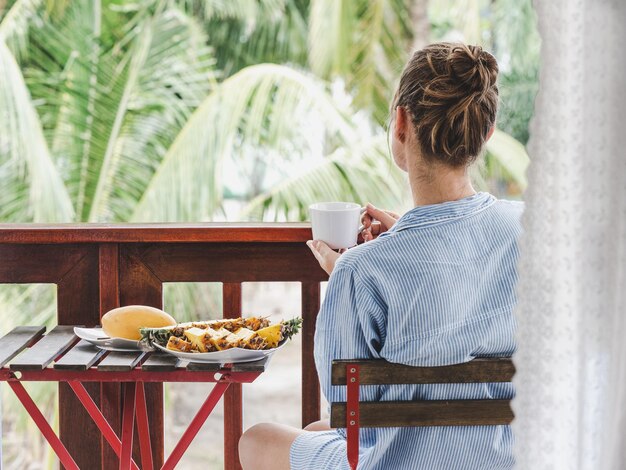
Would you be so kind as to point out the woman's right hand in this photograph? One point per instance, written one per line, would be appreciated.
(376, 221)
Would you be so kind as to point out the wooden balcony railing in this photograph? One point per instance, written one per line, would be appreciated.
(97, 267)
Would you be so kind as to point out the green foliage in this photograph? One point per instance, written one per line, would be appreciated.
(365, 44)
(260, 106)
(33, 189)
(517, 95)
(119, 106)
(137, 107)
(355, 170)
(250, 33)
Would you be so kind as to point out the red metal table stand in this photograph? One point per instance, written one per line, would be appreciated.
(75, 364)
(45, 428)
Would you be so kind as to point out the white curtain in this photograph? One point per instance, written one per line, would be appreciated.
(571, 361)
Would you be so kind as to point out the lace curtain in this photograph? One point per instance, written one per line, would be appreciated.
(571, 382)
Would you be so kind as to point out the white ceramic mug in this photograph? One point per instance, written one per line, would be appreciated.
(336, 223)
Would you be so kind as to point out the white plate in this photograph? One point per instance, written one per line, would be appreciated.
(98, 337)
(225, 356)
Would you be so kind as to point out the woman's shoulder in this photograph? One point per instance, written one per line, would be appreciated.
(507, 205)
(509, 211)
(411, 246)
(365, 256)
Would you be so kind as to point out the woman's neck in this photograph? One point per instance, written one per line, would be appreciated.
(433, 183)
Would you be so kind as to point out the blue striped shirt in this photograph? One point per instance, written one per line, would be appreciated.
(436, 289)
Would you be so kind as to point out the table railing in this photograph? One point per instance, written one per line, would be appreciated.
(97, 267)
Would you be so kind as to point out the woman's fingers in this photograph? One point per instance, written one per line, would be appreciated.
(375, 228)
(323, 254)
(393, 214)
(386, 219)
(366, 220)
(371, 232)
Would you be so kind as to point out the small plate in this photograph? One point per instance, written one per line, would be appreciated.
(225, 356)
(98, 337)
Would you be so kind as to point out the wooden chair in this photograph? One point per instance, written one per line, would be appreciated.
(355, 414)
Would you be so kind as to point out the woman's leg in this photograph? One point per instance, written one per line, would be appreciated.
(321, 425)
(266, 446)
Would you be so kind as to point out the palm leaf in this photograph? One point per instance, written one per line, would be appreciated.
(262, 105)
(15, 25)
(365, 43)
(277, 34)
(64, 72)
(168, 75)
(360, 172)
(32, 187)
(230, 9)
(332, 24)
(116, 106)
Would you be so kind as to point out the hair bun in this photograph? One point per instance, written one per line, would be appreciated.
(451, 95)
(474, 67)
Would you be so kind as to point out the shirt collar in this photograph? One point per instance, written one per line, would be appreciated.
(436, 213)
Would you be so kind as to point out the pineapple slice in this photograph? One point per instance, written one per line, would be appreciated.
(272, 334)
(232, 340)
(219, 338)
(177, 344)
(255, 323)
(198, 339)
(250, 339)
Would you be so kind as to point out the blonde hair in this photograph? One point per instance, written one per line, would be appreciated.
(451, 95)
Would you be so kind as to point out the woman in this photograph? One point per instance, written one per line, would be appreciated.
(436, 288)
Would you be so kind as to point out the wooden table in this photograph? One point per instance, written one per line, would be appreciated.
(97, 267)
(30, 355)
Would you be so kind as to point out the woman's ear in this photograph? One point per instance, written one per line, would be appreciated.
(490, 133)
(401, 124)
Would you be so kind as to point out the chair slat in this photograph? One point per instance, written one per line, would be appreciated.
(121, 361)
(426, 413)
(46, 350)
(17, 340)
(81, 357)
(381, 372)
(160, 362)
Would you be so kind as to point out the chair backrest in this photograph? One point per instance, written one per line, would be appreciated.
(354, 373)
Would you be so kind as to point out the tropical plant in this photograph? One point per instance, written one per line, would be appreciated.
(117, 106)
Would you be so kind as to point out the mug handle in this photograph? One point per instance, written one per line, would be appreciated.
(362, 227)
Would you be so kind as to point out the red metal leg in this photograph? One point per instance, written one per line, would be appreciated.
(128, 419)
(196, 424)
(64, 456)
(352, 414)
(98, 418)
(143, 428)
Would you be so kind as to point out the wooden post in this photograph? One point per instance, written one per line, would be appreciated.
(110, 392)
(138, 285)
(233, 398)
(310, 381)
(77, 304)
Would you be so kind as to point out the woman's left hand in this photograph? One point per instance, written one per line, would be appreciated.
(325, 256)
